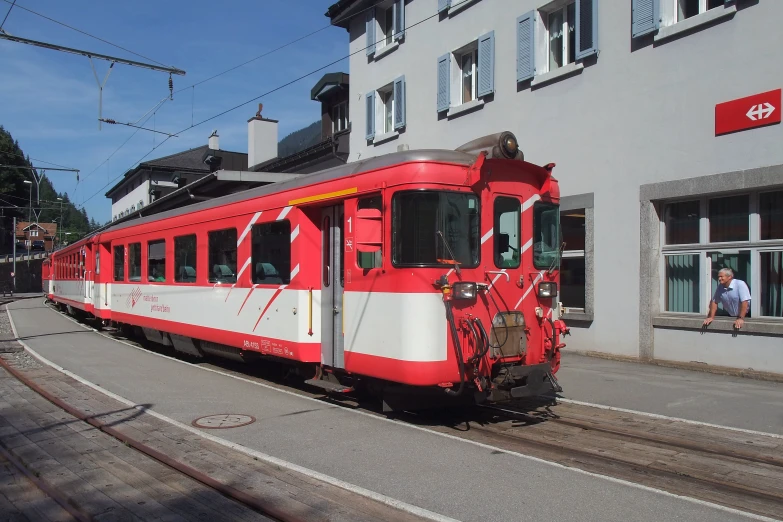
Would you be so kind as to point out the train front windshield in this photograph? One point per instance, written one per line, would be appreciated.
(546, 236)
(424, 221)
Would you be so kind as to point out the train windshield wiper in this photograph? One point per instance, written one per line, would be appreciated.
(453, 258)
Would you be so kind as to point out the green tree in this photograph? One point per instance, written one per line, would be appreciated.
(15, 196)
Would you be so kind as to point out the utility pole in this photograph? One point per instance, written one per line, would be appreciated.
(60, 226)
(13, 270)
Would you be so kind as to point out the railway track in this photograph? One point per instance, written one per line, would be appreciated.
(730, 468)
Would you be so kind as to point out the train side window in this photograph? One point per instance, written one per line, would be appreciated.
(506, 223)
(134, 262)
(223, 256)
(119, 263)
(369, 232)
(271, 256)
(156, 261)
(185, 259)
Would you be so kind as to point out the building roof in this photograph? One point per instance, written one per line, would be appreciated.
(50, 229)
(342, 11)
(189, 160)
(328, 82)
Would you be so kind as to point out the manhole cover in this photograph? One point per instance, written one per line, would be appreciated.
(223, 421)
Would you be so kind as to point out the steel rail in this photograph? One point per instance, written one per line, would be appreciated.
(230, 492)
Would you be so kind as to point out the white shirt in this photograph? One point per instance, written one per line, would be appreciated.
(731, 297)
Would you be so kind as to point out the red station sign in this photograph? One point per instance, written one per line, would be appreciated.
(758, 110)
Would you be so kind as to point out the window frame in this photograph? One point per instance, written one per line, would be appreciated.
(195, 258)
(210, 275)
(382, 108)
(568, 34)
(114, 263)
(496, 231)
(570, 204)
(285, 275)
(165, 256)
(129, 246)
(340, 117)
(754, 245)
(397, 264)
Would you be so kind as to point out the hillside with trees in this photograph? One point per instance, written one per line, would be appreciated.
(15, 197)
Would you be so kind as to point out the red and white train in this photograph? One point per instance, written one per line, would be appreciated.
(427, 272)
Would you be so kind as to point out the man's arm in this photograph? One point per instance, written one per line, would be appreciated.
(711, 314)
(744, 297)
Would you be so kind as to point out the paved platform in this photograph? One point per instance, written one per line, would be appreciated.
(700, 396)
(453, 478)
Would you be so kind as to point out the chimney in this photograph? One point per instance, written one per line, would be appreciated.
(214, 142)
(261, 139)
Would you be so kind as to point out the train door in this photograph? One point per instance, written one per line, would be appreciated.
(332, 286)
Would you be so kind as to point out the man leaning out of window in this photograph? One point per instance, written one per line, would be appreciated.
(733, 294)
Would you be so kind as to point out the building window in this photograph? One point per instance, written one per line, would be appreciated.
(386, 24)
(185, 259)
(223, 256)
(555, 35)
(688, 8)
(385, 109)
(467, 65)
(33, 233)
(156, 261)
(572, 265)
(466, 74)
(119, 263)
(561, 40)
(271, 256)
(742, 232)
(507, 232)
(339, 117)
(387, 21)
(134, 262)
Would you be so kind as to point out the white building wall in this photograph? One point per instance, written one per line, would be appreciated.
(640, 112)
(125, 203)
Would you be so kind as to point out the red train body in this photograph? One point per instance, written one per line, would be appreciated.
(432, 269)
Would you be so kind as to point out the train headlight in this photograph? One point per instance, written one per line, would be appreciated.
(547, 289)
(464, 290)
(509, 145)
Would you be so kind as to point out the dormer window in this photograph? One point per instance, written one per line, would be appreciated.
(339, 117)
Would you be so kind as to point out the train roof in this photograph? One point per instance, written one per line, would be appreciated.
(342, 171)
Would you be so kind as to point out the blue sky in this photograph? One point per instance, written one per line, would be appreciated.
(49, 99)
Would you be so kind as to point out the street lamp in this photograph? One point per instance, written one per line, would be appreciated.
(30, 211)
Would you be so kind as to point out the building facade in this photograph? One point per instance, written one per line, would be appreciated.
(622, 97)
(36, 236)
(154, 179)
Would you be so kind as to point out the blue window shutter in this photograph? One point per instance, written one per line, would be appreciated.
(526, 46)
(644, 17)
(369, 29)
(399, 103)
(444, 89)
(443, 5)
(486, 64)
(586, 28)
(370, 116)
(399, 19)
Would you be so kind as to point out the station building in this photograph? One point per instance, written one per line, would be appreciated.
(663, 120)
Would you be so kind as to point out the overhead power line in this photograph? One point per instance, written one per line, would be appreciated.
(33, 159)
(6, 14)
(78, 31)
(167, 98)
(407, 29)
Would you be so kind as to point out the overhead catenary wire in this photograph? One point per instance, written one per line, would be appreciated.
(6, 14)
(34, 159)
(280, 87)
(193, 86)
(82, 32)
